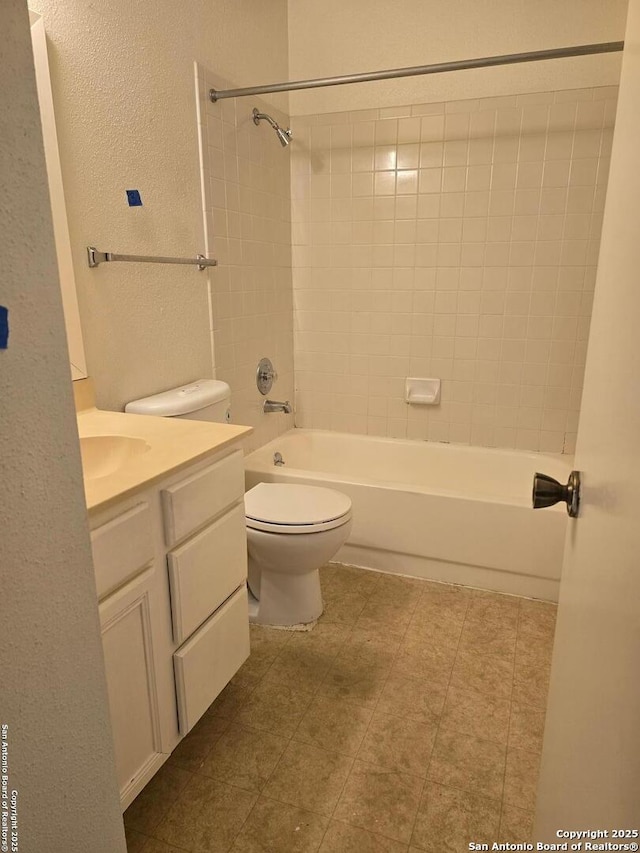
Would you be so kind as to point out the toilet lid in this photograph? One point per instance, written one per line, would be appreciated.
(293, 508)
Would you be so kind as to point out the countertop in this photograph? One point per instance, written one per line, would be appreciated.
(173, 444)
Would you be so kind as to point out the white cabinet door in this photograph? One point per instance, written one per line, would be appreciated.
(126, 619)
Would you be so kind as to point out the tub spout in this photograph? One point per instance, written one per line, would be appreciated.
(275, 406)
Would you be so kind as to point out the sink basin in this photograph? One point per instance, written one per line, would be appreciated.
(105, 454)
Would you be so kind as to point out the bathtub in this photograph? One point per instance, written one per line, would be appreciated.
(431, 510)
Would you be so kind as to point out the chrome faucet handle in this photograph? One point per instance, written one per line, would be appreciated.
(265, 376)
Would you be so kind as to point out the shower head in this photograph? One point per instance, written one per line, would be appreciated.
(283, 135)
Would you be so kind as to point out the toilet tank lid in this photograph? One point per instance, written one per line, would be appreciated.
(180, 401)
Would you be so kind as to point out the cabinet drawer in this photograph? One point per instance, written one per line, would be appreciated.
(191, 503)
(206, 663)
(122, 548)
(205, 571)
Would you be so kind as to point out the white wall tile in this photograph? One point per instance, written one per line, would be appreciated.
(465, 235)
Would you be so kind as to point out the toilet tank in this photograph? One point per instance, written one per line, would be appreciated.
(202, 400)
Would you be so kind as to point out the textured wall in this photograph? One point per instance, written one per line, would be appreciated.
(126, 114)
(53, 689)
(247, 209)
(335, 37)
(454, 240)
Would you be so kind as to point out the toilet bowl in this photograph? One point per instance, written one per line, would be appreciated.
(292, 530)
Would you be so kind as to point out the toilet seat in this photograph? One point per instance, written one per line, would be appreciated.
(292, 508)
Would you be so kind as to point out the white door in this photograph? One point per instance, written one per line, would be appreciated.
(590, 773)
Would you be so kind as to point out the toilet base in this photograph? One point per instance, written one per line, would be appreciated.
(286, 600)
(253, 618)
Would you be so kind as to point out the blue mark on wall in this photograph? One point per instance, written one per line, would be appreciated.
(133, 197)
(4, 327)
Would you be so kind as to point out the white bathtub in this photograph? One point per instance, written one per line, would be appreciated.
(439, 511)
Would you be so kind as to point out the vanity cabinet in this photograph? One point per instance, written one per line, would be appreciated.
(171, 567)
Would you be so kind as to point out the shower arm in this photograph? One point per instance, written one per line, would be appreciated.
(418, 70)
(258, 116)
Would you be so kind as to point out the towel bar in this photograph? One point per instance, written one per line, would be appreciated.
(95, 258)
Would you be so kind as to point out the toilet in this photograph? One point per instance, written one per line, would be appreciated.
(292, 529)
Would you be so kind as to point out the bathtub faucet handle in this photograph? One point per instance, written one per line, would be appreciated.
(277, 459)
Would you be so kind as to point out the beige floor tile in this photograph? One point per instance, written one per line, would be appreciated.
(155, 846)
(542, 631)
(300, 666)
(253, 670)
(266, 645)
(430, 662)
(397, 743)
(448, 819)
(477, 714)
(484, 673)
(412, 698)
(533, 652)
(531, 684)
(349, 579)
(325, 637)
(521, 778)
(327, 572)
(537, 618)
(369, 648)
(309, 778)
(342, 838)
(229, 702)
(358, 676)
(334, 724)
(469, 763)
(381, 801)
(526, 727)
(153, 802)
(135, 840)
(385, 616)
(244, 757)
(266, 641)
(191, 752)
(445, 594)
(397, 590)
(489, 638)
(275, 708)
(443, 629)
(245, 680)
(274, 827)
(492, 607)
(445, 611)
(206, 817)
(364, 639)
(343, 609)
(516, 825)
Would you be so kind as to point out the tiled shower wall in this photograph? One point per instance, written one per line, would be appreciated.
(454, 240)
(247, 209)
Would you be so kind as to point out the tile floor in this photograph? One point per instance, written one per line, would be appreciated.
(409, 719)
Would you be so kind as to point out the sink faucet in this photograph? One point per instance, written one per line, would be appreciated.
(275, 406)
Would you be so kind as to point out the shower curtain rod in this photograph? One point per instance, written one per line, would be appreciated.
(417, 70)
